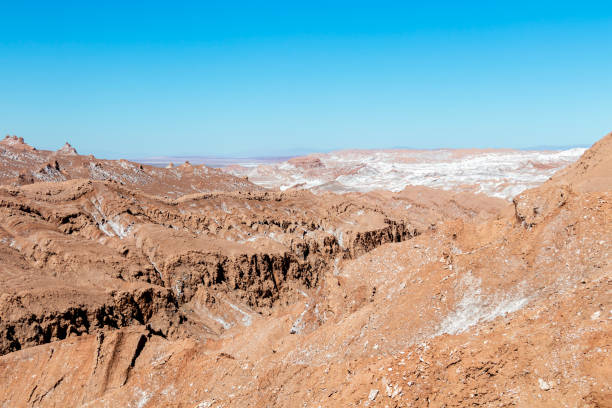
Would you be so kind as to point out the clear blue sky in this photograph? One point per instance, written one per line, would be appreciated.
(253, 78)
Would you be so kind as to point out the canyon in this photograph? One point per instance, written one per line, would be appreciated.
(396, 278)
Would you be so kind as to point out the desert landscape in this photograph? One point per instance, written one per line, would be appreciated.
(499, 173)
(391, 278)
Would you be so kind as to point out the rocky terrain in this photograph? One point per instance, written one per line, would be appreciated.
(495, 172)
(130, 285)
(22, 164)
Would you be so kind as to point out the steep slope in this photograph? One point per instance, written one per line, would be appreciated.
(593, 171)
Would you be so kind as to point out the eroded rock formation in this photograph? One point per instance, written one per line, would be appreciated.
(123, 295)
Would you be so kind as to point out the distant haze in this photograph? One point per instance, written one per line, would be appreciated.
(162, 161)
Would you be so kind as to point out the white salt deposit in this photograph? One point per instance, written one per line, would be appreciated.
(503, 173)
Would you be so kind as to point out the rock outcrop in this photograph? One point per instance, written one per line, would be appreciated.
(67, 149)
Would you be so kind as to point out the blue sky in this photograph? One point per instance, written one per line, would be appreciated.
(274, 78)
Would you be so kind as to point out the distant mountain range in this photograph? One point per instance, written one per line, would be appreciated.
(212, 161)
